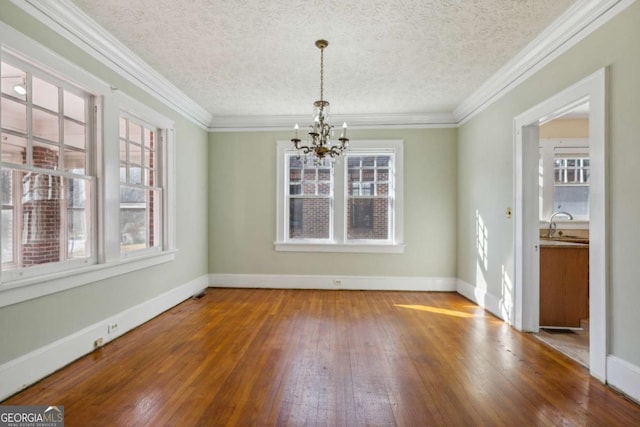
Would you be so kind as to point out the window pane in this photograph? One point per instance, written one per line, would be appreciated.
(77, 236)
(135, 132)
(14, 115)
(74, 161)
(78, 203)
(309, 189)
(572, 198)
(123, 150)
(45, 125)
(45, 155)
(14, 149)
(7, 236)
(324, 188)
(368, 219)
(135, 175)
(12, 76)
(295, 189)
(309, 218)
(149, 138)
(41, 219)
(295, 162)
(146, 156)
(45, 94)
(140, 218)
(135, 154)
(383, 161)
(77, 193)
(74, 134)
(383, 189)
(133, 207)
(295, 175)
(74, 107)
(7, 187)
(324, 174)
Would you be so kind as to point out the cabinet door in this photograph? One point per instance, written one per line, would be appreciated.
(564, 286)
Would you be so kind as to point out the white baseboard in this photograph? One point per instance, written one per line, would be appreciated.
(484, 299)
(624, 376)
(29, 368)
(378, 283)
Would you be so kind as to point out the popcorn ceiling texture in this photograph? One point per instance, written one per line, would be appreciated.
(257, 57)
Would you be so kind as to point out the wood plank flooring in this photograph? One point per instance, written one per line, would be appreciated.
(241, 357)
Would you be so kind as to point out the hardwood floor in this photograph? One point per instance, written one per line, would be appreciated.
(239, 357)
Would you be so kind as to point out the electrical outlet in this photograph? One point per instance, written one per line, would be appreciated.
(98, 343)
(112, 327)
(337, 282)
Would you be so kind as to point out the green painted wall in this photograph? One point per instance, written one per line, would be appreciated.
(485, 165)
(242, 209)
(29, 325)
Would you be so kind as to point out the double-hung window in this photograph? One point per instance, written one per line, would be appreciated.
(571, 189)
(48, 175)
(564, 178)
(141, 192)
(351, 205)
(87, 178)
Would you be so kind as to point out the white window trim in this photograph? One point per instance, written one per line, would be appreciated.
(338, 242)
(141, 114)
(109, 102)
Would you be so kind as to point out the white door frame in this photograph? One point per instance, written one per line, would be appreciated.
(526, 241)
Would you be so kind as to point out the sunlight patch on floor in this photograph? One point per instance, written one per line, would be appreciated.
(436, 310)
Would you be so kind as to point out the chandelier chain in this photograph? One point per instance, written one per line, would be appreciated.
(321, 74)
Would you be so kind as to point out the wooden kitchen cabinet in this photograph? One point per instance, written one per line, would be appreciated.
(564, 285)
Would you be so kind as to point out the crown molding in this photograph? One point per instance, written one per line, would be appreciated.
(580, 20)
(66, 19)
(355, 121)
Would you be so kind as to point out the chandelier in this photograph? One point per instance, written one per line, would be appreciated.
(319, 144)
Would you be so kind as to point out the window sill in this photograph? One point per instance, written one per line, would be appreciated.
(20, 290)
(392, 248)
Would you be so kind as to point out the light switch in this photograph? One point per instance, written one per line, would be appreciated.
(509, 214)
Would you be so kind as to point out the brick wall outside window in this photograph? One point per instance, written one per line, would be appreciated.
(41, 211)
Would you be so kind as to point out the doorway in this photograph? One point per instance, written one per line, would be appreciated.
(527, 214)
(563, 186)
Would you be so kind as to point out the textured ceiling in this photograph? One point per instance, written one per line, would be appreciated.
(257, 57)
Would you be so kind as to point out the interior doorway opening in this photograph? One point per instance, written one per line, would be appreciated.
(591, 90)
(563, 202)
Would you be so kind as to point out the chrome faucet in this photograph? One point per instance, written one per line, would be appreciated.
(552, 225)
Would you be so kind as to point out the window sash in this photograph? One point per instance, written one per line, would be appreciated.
(370, 172)
(49, 168)
(310, 200)
(141, 222)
